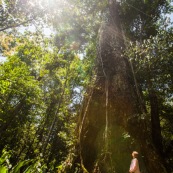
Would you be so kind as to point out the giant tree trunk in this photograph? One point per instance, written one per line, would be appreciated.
(112, 111)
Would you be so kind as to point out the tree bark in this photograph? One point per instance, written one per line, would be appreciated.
(113, 103)
(155, 122)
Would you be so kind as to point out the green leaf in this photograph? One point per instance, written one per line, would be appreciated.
(29, 169)
(19, 165)
(3, 169)
(145, 1)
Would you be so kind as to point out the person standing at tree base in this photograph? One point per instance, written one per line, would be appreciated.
(134, 166)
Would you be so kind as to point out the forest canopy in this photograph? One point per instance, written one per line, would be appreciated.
(66, 92)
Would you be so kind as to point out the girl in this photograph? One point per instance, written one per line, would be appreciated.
(134, 166)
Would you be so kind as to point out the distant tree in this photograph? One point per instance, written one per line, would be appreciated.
(15, 13)
(152, 62)
(38, 83)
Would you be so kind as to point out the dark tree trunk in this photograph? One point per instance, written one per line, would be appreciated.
(113, 110)
(155, 122)
(154, 113)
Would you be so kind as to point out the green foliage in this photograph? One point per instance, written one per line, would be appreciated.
(152, 63)
(17, 168)
(25, 166)
(15, 13)
(4, 161)
(38, 91)
(43, 80)
(141, 23)
(152, 59)
(3, 169)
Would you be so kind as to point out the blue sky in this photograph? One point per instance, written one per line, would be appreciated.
(171, 16)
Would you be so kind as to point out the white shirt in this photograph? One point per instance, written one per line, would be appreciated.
(134, 166)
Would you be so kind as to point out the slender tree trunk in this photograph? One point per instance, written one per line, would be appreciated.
(155, 118)
(12, 114)
(55, 118)
(155, 122)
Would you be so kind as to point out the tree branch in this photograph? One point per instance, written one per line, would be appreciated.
(16, 25)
